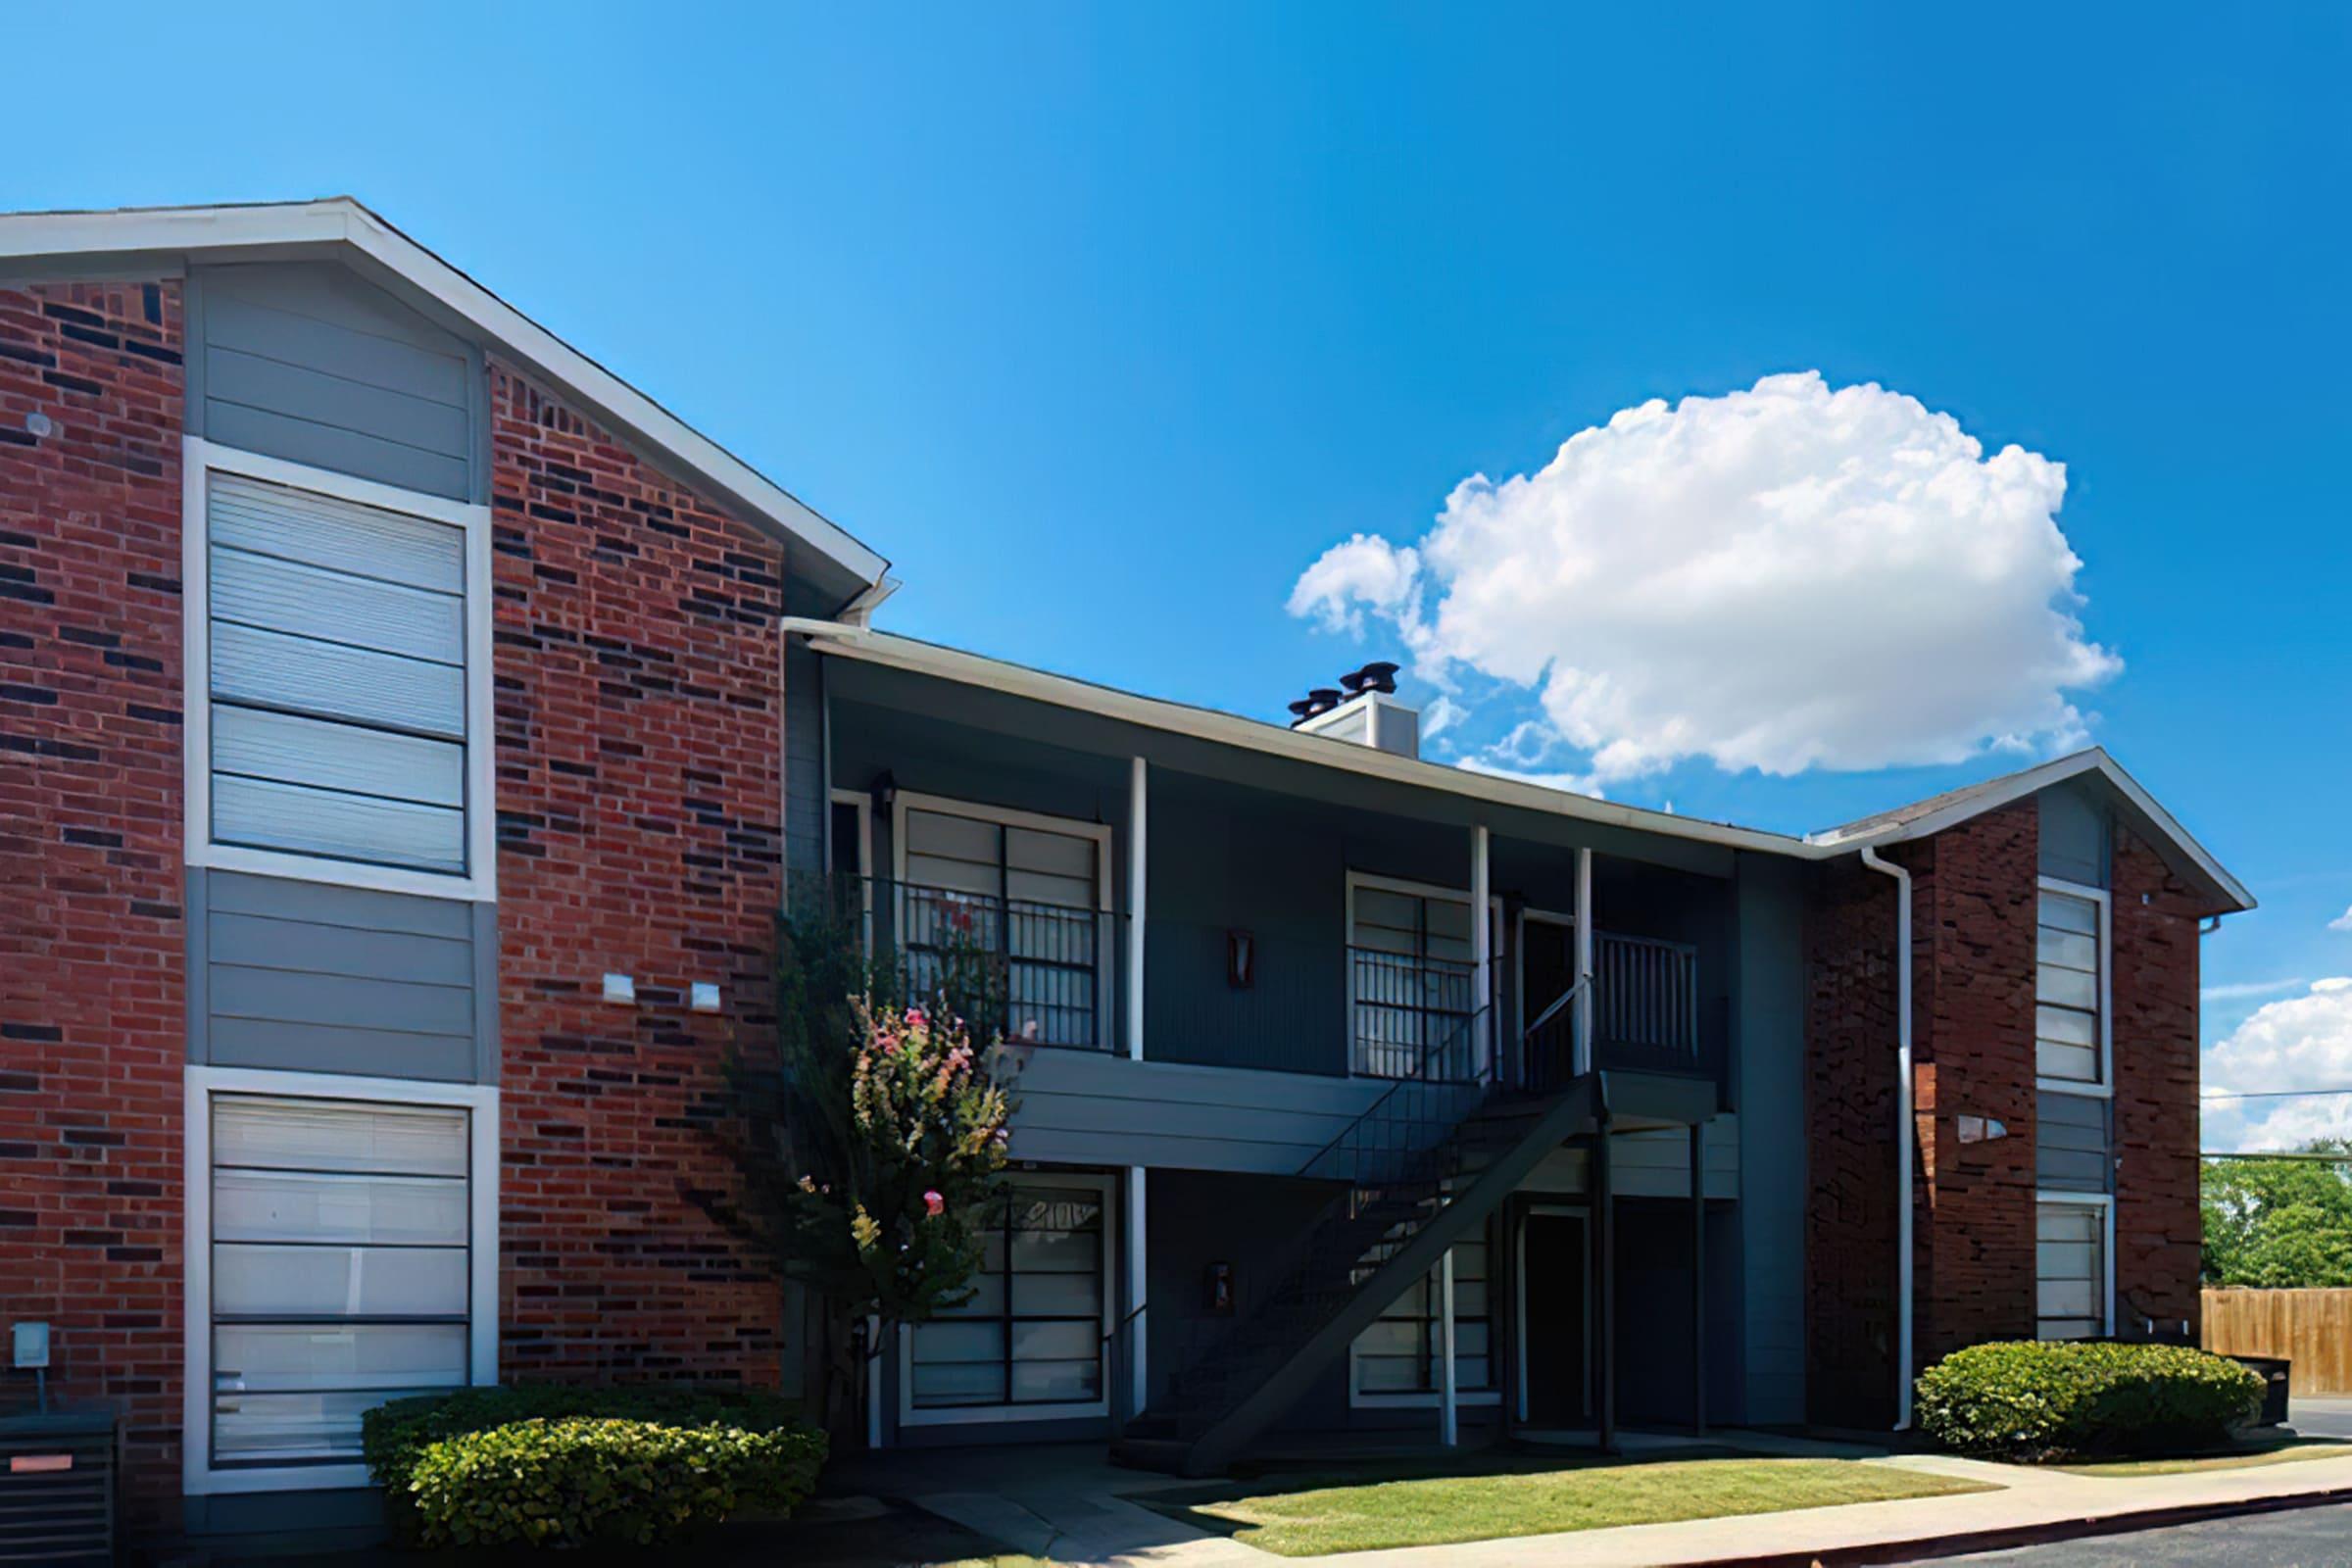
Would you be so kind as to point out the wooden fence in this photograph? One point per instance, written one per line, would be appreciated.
(2312, 1329)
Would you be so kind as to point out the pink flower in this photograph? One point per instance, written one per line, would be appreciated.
(914, 1017)
(934, 1204)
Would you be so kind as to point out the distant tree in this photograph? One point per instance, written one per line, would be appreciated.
(2280, 1223)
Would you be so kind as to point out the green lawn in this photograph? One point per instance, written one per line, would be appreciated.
(2278, 1453)
(1309, 1516)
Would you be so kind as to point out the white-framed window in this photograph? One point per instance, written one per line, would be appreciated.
(337, 641)
(1028, 892)
(1397, 1360)
(342, 1250)
(1029, 1345)
(2070, 1026)
(1412, 978)
(2074, 1265)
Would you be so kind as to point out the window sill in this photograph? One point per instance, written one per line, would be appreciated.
(342, 873)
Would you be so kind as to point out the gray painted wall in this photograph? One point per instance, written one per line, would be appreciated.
(2073, 832)
(1091, 1107)
(308, 977)
(2070, 1143)
(805, 809)
(308, 362)
(1769, 1087)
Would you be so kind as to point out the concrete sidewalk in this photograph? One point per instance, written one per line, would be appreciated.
(1081, 1511)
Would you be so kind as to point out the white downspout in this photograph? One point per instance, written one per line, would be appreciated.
(1903, 1131)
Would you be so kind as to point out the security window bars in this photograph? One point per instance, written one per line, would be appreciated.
(1023, 903)
(1400, 1356)
(1032, 1334)
(337, 680)
(1411, 984)
(341, 1269)
(2070, 954)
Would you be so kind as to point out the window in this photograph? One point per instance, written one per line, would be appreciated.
(1397, 1359)
(2070, 991)
(1410, 980)
(338, 625)
(1023, 894)
(2069, 1274)
(343, 1269)
(1030, 1340)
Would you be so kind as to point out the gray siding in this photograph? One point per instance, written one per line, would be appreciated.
(1087, 1107)
(2070, 1143)
(806, 798)
(308, 977)
(2074, 833)
(1768, 1086)
(310, 363)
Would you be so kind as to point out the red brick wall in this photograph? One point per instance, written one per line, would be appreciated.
(2154, 939)
(638, 716)
(1973, 897)
(1849, 1131)
(92, 1015)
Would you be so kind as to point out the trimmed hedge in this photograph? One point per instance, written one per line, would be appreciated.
(553, 1464)
(2044, 1400)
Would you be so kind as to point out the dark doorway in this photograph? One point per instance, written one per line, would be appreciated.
(1554, 1259)
(1547, 969)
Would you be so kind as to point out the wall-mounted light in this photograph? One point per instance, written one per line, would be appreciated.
(705, 996)
(621, 987)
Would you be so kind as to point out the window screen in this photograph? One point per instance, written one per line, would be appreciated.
(2071, 1271)
(2066, 989)
(338, 677)
(341, 1269)
(1401, 1352)
(1410, 983)
(1033, 1333)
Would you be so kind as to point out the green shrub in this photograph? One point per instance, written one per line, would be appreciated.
(579, 1479)
(2045, 1399)
(716, 1449)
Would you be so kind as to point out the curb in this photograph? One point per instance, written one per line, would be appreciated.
(2007, 1536)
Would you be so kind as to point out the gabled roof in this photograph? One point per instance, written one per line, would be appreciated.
(337, 227)
(1917, 820)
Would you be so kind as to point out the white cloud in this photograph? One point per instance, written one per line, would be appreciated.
(2342, 922)
(1783, 578)
(2300, 1043)
(2247, 987)
(1441, 715)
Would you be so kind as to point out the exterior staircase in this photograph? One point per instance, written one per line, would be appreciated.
(1422, 1168)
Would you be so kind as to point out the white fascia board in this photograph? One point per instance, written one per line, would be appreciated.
(2000, 792)
(250, 233)
(1205, 723)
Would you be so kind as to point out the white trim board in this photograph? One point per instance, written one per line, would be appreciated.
(1204, 724)
(199, 460)
(198, 1085)
(2104, 1089)
(340, 227)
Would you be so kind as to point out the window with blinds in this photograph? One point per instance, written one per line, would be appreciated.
(337, 636)
(1032, 1333)
(1398, 1355)
(2069, 1274)
(1022, 900)
(2066, 990)
(341, 1269)
(1411, 983)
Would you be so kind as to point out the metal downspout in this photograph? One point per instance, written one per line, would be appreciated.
(1904, 1133)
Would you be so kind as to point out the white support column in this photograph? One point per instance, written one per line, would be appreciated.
(1139, 1288)
(1448, 1428)
(1138, 802)
(1584, 961)
(1482, 946)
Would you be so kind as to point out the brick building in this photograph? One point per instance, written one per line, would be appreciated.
(408, 729)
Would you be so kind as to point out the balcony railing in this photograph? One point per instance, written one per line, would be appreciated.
(1410, 1016)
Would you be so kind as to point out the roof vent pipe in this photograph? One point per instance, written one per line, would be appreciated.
(1904, 1132)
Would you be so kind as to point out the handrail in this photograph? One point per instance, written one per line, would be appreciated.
(1398, 1085)
(1116, 1329)
(1549, 1014)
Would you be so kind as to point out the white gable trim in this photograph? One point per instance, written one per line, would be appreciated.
(255, 232)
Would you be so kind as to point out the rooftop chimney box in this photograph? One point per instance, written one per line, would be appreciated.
(1369, 714)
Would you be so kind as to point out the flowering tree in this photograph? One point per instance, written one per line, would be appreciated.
(867, 1148)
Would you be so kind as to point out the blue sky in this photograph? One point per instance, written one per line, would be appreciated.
(1105, 323)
